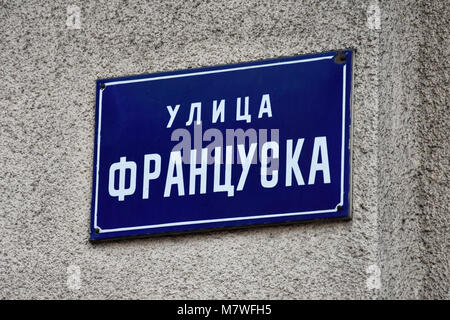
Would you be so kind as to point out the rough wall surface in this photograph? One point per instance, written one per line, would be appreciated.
(413, 150)
(433, 132)
(400, 217)
(47, 100)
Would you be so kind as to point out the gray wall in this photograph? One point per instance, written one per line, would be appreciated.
(397, 244)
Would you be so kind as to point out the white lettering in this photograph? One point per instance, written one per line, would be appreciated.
(174, 165)
(122, 166)
(198, 171)
(156, 158)
(320, 145)
(172, 113)
(226, 186)
(246, 116)
(264, 162)
(246, 161)
(198, 107)
(292, 162)
(265, 106)
(218, 110)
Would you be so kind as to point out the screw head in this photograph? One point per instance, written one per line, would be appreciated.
(103, 86)
(340, 58)
(97, 230)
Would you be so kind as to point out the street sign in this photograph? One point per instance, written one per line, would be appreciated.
(224, 146)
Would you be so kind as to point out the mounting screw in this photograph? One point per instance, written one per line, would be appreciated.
(340, 57)
(103, 86)
(339, 207)
(97, 230)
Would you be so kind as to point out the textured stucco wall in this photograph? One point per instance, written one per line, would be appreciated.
(400, 155)
(414, 122)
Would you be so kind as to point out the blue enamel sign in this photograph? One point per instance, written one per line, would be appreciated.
(224, 146)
